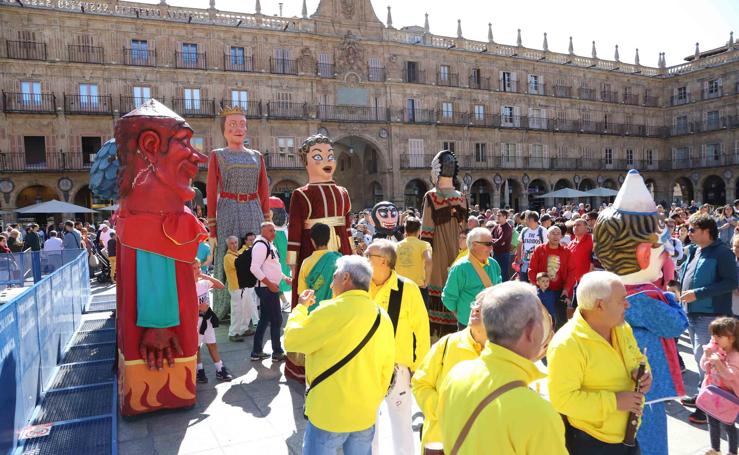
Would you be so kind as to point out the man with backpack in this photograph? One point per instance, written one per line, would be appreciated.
(266, 268)
(531, 236)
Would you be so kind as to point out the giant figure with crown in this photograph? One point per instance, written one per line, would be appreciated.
(158, 238)
(627, 243)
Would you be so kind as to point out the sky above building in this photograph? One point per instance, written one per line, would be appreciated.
(652, 26)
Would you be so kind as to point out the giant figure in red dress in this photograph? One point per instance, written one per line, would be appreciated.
(320, 201)
(158, 239)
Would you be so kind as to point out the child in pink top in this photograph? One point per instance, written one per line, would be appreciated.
(720, 361)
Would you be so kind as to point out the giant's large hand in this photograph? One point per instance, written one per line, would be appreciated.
(158, 344)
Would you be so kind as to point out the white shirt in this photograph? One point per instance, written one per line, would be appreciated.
(104, 237)
(53, 244)
(264, 263)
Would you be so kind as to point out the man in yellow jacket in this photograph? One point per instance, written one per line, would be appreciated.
(443, 355)
(593, 362)
(342, 409)
(403, 301)
(518, 421)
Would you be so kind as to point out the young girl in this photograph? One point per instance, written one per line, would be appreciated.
(720, 361)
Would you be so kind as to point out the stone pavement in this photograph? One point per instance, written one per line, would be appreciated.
(259, 412)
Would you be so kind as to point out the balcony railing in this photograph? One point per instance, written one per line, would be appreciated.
(480, 83)
(26, 50)
(139, 57)
(484, 120)
(562, 91)
(415, 161)
(631, 98)
(537, 89)
(283, 161)
(414, 77)
(677, 100)
(191, 60)
(651, 101)
(238, 63)
(85, 54)
(283, 66)
(129, 103)
(721, 159)
(609, 96)
(712, 124)
(451, 118)
(447, 79)
(375, 74)
(29, 103)
(279, 109)
(327, 70)
(88, 104)
(708, 94)
(253, 109)
(190, 107)
(585, 93)
(427, 116)
(508, 86)
(352, 113)
(75, 161)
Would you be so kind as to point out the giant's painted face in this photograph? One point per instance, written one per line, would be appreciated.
(179, 165)
(385, 216)
(234, 129)
(320, 163)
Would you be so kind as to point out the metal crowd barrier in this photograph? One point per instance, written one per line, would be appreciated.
(16, 268)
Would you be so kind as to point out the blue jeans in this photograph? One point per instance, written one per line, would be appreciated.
(699, 335)
(270, 313)
(504, 261)
(320, 442)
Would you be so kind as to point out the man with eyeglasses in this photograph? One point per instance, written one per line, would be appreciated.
(709, 277)
(470, 275)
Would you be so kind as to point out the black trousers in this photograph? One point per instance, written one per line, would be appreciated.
(714, 431)
(581, 443)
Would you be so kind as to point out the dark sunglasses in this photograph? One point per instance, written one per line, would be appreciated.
(691, 230)
(485, 243)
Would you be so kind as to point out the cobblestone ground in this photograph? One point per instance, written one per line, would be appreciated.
(260, 412)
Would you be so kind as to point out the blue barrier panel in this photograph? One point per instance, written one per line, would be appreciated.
(26, 307)
(16, 268)
(11, 409)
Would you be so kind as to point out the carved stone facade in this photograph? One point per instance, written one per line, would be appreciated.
(523, 121)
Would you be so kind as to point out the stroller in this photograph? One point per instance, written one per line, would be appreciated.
(103, 275)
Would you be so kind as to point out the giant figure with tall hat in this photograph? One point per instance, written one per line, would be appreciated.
(445, 212)
(237, 194)
(320, 201)
(627, 243)
(157, 307)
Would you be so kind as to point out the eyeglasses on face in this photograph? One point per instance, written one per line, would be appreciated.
(484, 243)
(368, 255)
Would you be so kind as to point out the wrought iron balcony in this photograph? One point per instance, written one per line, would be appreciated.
(451, 118)
(678, 100)
(76, 161)
(279, 109)
(721, 159)
(352, 113)
(585, 93)
(283, 161)
(253, 109)
(427, 116)
(708, 94)
(609, 96)
(242, 64)
(376, 74)
(20, 162)
(651, 101)
(327, 70)
(88, 104)
(29, 103)
(191, 60)
(537, 89)
(139, 57)
(194, 107)
(562, 91)
(26, 50)
(85, 54)
(479, 83)
(283, 66)
(415, 161)
(508, 86)
(414, 77)
(631, 98)
(447, 79)
(484, 120)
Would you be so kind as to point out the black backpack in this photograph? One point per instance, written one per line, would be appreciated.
(242, 263)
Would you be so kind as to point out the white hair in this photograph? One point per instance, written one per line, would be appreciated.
(387, 249)
(552, 228)
(475, 234)
(358, 268)
(595, 286)
(507, 309)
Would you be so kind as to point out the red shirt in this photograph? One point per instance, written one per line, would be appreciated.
(556, 262)
(581, 254)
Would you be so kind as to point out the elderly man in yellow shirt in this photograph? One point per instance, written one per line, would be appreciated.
(404, 304)
(593, 363)
(241, 304)
(485, 406)
(342, 409)
(443, 355)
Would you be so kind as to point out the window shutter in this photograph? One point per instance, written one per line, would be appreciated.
(503, 151)
(517, 116)
(720, 85)
(500, 79)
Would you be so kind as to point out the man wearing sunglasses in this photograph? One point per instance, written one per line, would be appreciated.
(470, 275)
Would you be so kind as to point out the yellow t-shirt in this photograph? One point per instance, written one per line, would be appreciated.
(410, 262)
